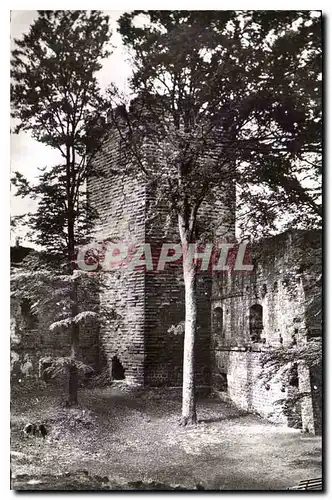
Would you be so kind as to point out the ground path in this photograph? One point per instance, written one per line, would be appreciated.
(132, 437)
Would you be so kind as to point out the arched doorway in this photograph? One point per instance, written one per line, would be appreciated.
(118, 372)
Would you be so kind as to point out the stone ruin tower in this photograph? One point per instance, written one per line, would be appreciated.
(144, 305)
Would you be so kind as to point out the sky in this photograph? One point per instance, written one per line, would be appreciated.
(26, 154)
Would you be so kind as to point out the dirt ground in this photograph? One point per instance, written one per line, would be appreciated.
(126, 440)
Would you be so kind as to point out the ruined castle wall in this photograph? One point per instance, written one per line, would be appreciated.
(144, 306)
(277, 285)
(165, 311)
(119, 198)
(245, 387)
(164, 293)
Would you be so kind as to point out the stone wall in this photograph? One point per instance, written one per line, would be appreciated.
(145, 305)
(118, 195)
(279, 285)
(244, 385)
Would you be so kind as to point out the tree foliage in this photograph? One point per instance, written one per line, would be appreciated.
(55, 96)
(246, 85)
(49, 294)
(220, 102)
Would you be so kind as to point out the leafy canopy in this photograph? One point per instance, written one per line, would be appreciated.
(56, 97)
(242, 86)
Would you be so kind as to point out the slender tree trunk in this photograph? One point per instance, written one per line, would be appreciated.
(73, 371)
(73, 384)
(188, 386)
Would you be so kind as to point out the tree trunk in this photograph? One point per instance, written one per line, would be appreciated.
(188, 386)
(73, 371)
(73, 386)
(74, 341)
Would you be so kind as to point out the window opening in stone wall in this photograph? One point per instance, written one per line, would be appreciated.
(256, 322)
(218, 321)
(118, 372)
